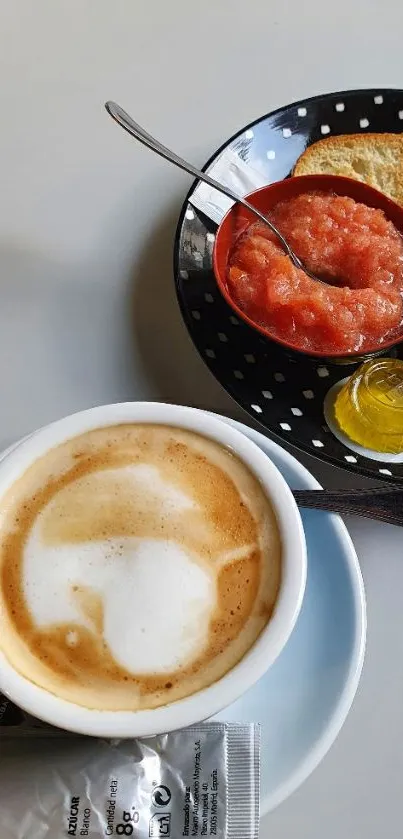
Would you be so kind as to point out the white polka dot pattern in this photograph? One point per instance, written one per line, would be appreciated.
(285, 391)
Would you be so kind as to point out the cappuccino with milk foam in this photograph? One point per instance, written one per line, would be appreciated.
(138, 564)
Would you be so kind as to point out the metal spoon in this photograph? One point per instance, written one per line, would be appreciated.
(381, 504)
(140, 134)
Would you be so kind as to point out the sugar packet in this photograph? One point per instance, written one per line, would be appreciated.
(199, 781)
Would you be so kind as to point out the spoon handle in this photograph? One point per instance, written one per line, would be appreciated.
(381, 504)
(133, 128)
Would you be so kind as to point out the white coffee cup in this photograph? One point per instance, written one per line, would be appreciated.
(260, 656)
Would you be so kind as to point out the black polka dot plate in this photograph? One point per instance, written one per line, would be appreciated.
(284, 393)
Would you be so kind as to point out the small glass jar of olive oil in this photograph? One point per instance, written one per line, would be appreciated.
(369, 407)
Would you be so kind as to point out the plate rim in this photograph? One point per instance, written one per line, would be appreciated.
(359, 470)
(346, 697)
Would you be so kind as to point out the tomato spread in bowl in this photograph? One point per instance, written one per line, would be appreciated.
(349, 235)
(353, 248)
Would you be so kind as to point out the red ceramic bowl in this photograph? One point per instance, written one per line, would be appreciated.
(265, 199)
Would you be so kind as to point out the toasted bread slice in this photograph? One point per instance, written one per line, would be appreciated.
(376, 159)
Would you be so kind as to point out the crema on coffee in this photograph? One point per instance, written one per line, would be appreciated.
(138, 565)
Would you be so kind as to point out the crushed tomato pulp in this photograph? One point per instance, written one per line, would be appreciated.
(353, 246)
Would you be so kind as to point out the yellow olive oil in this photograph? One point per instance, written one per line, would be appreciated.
(369, 408)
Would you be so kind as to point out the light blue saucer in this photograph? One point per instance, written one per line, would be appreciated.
(303, 700)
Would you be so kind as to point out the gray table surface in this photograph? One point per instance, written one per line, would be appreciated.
(87, 306)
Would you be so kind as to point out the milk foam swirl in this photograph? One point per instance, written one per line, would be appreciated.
(138, 564)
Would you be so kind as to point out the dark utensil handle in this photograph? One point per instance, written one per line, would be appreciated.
(381, 504)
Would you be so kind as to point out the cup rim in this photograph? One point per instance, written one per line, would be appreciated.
(51, 708)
